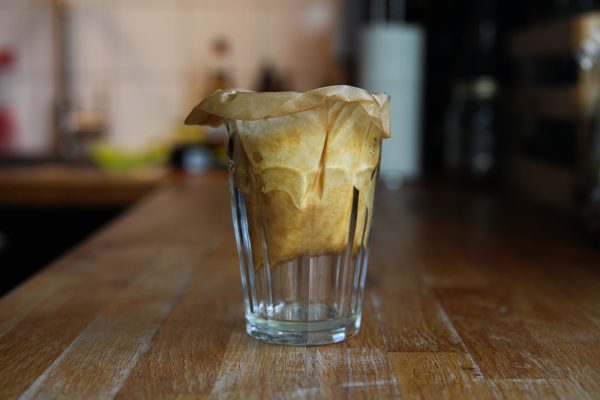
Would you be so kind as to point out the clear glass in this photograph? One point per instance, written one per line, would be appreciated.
(303, 268)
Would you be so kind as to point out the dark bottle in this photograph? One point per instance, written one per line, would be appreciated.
(271, 79)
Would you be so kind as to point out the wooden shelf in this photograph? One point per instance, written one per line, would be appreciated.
(553, 38)
(557, 102)
(535, 104)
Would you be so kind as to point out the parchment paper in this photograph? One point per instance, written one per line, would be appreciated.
(299, 159)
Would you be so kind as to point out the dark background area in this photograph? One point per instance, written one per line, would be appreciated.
(453, 52)
(32, 237)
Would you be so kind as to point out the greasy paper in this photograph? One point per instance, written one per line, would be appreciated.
(299, 158)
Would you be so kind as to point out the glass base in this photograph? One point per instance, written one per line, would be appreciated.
(302, 333)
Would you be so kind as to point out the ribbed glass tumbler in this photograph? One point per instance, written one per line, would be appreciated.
(302, 210)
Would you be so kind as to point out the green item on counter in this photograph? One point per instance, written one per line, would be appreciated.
(112, 158)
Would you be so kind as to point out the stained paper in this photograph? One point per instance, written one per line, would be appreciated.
(300, 159)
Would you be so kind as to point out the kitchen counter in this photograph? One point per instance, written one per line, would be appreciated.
(467, 296)
(62, 185)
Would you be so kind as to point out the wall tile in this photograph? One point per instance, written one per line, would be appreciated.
(147, 37)
(33, 108)
(151, 58)
(25, 26)
(35, 39)
(141, 114)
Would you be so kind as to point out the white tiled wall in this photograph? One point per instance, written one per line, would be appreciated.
(25, 26)
(147, 60)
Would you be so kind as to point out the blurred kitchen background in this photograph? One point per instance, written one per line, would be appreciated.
(493, 95)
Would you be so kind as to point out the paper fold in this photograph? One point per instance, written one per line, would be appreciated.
(249, 106)
(299, 158)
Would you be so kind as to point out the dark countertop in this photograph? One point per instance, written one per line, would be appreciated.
(63, 185)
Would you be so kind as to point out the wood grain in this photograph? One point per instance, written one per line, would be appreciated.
(60, 185)
(468, 296)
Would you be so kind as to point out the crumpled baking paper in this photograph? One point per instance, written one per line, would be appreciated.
(300, 159)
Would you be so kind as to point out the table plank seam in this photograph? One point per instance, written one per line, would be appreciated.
(154, 261)
(452, 329)
(146, 341)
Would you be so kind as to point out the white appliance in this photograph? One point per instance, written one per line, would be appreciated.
(391, 61)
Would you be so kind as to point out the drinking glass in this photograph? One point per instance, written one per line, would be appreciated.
(303, 266)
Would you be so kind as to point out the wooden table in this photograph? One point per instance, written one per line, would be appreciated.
(466, 296)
